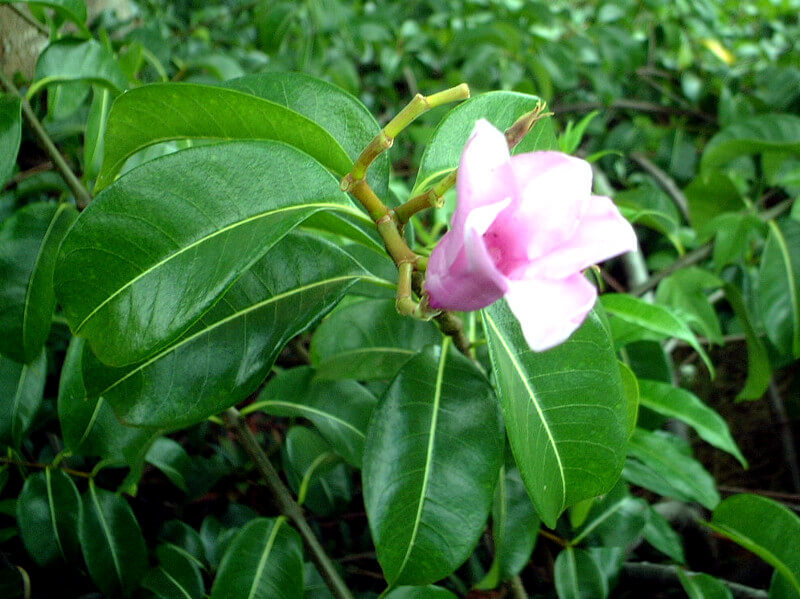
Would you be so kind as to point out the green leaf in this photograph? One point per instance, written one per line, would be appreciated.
(140, 266)
(711, 194)
(176, 577)
(68, 60)
(759, 369)
(703, 586)
(228, 354)
(779, 286)
(264, 561)
(112, 542)
(21, 388)
(754, 135)
(10, 134)
(764, 527)
(577, 576)
(443, 150)
(617, 518)
(426, 592)
(368, 340)
(88, 425)
(187, 539)
(72, 10)
(29, 242)
(168, 111)
(565, 411)
(685, 293)
(48, 511)
(661, 466)
(657, 319)
(339, 409)
(343, 116)
(661, 535)
(674, 402)
(630, 385)
(515, 526)
(315, 473)
(93, 143)
(171, 458)
(433, 453)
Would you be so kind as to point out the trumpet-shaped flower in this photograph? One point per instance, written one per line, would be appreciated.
(524, 228)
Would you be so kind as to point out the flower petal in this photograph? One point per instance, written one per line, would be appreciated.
(550, 310)
(602, 233)
(484, 173)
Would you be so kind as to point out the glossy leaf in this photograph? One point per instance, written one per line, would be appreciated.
(343, 116)
(10, 134)
(72, 10)
(515, 527)
(167, 111)
(69, 60)
(29, 242)
(651, 317)
(264, 561)
(779, 286)
(93, 143)
(617, 519)
(340, 410)
(21, 388)
(112, 542)
(426, 592)
(762, 133)
(501, 108)
(168, 456)
(48, 511)
(368, 340)
(224, 357)
(565, 411)
(577, 576)
(176, 577)
(431, 461)
(661, 535)
(764, 527)
(661, 466)
(140, 266)
(684, 405)
(703, 586)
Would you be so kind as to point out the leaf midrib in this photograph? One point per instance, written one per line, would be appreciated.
(303, 407)
(787, 263)
(262, 562)
(107, 533)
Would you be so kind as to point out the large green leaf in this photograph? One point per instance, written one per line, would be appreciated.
(29, 242)
(431, 461)
(264, 561)
(112, 542)
(657, 319)
(88, 61)
(764, 527)
(368, 340)
(177, 575)
(761, 133)
(779, 286)
(515, 526)
(684, 405)
(661, 465)
(72, 10)
(703, 586)
(10, 134)
(153, 252)
(578, 576)
(21, 388)
(167, 111)
(501, 108)
(224, 357)
(48, 511)
(340, 114)
(339, 409)
(565, 411)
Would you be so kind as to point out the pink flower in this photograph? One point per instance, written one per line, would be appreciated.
(524, 228)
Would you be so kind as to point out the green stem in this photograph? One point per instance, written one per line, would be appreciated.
(82, 196)
(286, 503)
(429, 199)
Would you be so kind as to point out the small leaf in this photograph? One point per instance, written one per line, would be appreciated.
(764, 527)
(759, 369)
(577, 576)
(10, 135)
(660, 535)
(112, 542)
(550, 400)
(779, 286)
(339, 409)
(48, 511)
(433, 453)
(617, 519)
(29, 242)
(176, 577)
(761, 133)
(171, 458)
(72, 60)
(21, 388)
(703, 586)
(426, 592)
(264, 561)
(368, 340)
